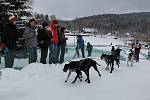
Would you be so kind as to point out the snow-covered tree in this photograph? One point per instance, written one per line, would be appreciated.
(41, 18)
(20, 8)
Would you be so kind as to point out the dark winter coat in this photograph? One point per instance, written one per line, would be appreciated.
(117, 53)
(10, 36)
(30, 37)
(61, 37)
(89, 47)
(43, 38)
(113, 51)
(0, 36)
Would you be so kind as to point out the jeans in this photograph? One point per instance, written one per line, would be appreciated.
(32, 55)
(83, 54)
(44, 52)
(61, 53)
(53, 53)
(9, 59)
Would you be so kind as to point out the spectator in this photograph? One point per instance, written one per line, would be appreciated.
(149, 54)
(89, 48)
(118, 51)
(43, 41)
(0, 42)
(31, 43)
(113, 50)
(9, 39)
(80, 44)
(53, 42)
(61, 45)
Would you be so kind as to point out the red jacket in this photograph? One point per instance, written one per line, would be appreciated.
(54, 32)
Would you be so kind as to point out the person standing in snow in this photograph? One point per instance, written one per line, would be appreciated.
(31, 43)
(1, 48)
(113, 51)
(149, 54)
(118, 51)
(53, 42)
(137, 47)
(61, 44)
(43, 41)
(117, 54)
(9, 40)
(89, 49)
(80, 45)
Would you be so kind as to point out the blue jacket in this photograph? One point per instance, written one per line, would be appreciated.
(80, 42)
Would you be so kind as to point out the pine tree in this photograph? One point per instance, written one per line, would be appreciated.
(42, 18)
(20, 8)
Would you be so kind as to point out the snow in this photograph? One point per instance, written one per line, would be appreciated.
(89, 30)
(37, 81)
(4, 3)
(28, 10)
(46, 82)
(105, 40)
(109, 34)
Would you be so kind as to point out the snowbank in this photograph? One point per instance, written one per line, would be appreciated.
(46, 82)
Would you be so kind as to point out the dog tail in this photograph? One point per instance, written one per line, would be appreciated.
(93, 58)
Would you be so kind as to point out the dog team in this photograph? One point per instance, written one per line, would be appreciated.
(85, 64)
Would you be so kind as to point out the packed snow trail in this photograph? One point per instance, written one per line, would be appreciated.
(44, 82)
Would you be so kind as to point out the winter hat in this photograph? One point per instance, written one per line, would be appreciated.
(44, 24)
(32, 20)
(12, 18)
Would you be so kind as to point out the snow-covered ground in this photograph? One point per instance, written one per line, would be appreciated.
(46, 82)
(105, 40)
